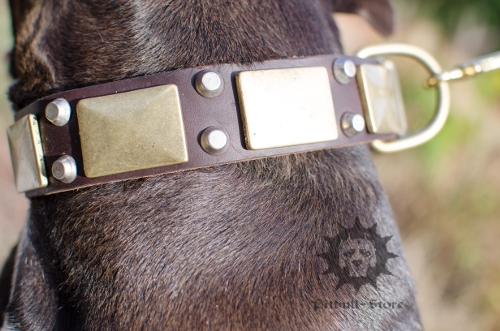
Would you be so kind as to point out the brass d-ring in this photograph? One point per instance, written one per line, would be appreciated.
(443, 104)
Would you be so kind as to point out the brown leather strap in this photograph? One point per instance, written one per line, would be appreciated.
(198, 114)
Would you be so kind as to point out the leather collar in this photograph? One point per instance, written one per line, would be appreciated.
(198, 113)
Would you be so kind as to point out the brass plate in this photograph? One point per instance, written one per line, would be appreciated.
(286, 107)
(131, 131)
(382, 99)
(27, 154)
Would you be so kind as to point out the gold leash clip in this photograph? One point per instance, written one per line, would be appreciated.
(467, 69)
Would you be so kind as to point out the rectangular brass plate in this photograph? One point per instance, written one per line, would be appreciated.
(131, 131)
(286, 107)
(382, 98)
(27, 154)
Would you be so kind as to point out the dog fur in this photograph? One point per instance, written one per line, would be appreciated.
(232, 247)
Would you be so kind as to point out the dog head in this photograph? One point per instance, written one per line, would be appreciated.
(357, 255)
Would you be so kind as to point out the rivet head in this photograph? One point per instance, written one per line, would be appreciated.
(214, 141)
(209, 83)
(58, 112)
(64, 169)
(352, 124)
(344, 70)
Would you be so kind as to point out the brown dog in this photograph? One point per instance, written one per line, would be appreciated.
(248, 246)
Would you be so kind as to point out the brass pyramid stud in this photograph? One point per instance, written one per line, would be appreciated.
(130, 131)
(286, 107)
(27, 154)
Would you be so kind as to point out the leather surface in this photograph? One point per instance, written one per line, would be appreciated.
(198, 113)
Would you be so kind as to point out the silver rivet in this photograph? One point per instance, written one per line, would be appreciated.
(64, 169)
(344, 70)
(214, 140)
(58, 112)
(209, 84)
(352, 124)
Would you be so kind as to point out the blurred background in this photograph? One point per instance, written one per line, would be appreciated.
(445, 194)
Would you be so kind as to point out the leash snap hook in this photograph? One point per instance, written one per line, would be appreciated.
(467, 69)
(405, 141)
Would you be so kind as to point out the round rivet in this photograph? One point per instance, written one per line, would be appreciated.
(214, 140)
(58, 112)
(209, 84)
(344, 70)
(352, 124)
(64, 169)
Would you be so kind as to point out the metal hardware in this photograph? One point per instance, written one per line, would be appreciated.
(382, 99)
(467, 69)
(286, 107)
(344, 70)
(214, 141)
(443, 103)
(352, 124)
(209, 83)
(131, 131)
(64, 169)
(27, 154)
(58, 112)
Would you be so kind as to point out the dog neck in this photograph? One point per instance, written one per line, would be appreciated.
(86, 44)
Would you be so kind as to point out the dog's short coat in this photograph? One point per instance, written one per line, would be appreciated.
(234, 247)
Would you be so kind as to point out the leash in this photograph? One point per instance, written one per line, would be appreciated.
(200, 117)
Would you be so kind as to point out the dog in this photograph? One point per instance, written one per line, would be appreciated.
(245, 246)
